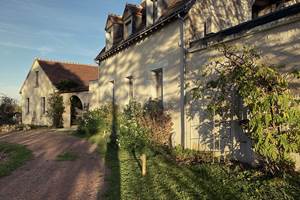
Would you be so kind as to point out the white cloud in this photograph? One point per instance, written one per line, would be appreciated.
(14, 45)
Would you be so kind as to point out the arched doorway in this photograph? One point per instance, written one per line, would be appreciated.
(76, 110)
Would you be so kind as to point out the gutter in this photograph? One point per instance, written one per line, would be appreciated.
(182, 80)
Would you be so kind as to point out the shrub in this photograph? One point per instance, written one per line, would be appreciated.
(56, 109)
(96, 121)
(133, 136)
(158, 121)
(8, 109)
(190, 157)
(273, 115)
(145, 124)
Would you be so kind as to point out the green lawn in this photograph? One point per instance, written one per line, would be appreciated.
(12, 157)
(167, 180)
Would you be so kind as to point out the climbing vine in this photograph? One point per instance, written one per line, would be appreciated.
(272, 111)
(56, 109)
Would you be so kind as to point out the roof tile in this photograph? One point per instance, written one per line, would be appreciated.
(81, 74)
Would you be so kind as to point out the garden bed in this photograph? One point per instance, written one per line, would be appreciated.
(13, 128)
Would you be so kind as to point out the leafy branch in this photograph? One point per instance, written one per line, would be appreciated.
(273, 116)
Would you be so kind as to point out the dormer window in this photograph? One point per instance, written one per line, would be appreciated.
(154, 10)
(264, 7)
(127, 28)
(109, 38)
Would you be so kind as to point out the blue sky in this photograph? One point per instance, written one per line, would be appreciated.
(66, 30)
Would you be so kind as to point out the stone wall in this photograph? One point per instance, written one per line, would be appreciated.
(30, 90)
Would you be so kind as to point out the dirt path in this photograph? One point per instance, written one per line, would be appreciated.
(44, 178)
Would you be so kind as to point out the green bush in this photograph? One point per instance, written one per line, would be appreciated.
(56, 109)
(189, 157)
(273, 115)
(133, 136)
(96, 121)
(143, 125)
(8, 109)
(153, 108)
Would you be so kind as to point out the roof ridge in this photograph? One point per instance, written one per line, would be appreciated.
(64, 62)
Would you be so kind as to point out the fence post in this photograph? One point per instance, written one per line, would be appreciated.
(144, 164)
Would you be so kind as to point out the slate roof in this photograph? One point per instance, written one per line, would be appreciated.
(80, 74)
(135, 9)
(115, 18)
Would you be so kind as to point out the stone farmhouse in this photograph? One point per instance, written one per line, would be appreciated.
(46, 77)
(151, 48)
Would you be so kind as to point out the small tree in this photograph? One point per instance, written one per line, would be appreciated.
(144, 126)
(273, 115)
(8, 109)
(132, 134)
(56, 109)
(96, 121)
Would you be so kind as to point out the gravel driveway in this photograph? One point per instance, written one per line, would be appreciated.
(45, 178)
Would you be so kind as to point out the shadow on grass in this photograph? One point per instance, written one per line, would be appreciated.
(112, 177)
(167, 180)
(112, 162)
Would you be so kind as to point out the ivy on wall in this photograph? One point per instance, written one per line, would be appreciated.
(56, 109)
(66, 85)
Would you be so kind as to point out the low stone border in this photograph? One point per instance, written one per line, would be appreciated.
(12, 128)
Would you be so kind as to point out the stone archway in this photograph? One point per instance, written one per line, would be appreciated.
(76, 109)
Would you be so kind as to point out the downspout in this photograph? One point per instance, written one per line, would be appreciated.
(182, 81)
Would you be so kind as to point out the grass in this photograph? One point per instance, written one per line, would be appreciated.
(15, 156)
(168, 180)
(67, 156)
